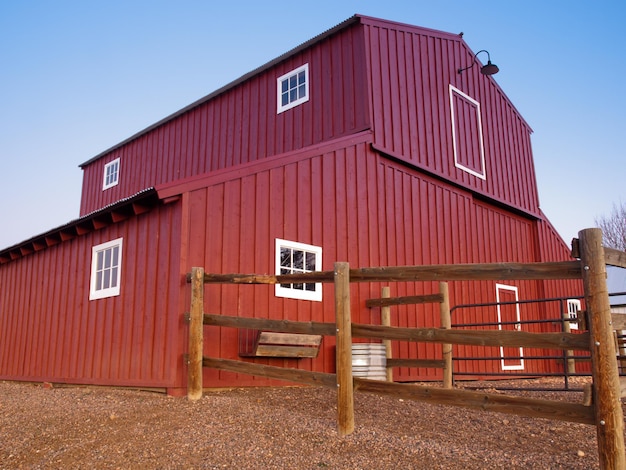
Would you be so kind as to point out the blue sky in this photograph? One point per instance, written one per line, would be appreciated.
(80, 76)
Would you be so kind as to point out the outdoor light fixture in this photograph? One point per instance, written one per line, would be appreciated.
(489, 69)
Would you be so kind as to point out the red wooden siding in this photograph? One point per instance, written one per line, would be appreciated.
(365, 169)
(361, 208)
(410, 70)
(240, 125)
(357, 205)
(52, 332)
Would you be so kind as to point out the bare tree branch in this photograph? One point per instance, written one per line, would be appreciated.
(613, 227)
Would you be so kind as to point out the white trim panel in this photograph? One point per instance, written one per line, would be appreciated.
(483, 174)
(518, 327)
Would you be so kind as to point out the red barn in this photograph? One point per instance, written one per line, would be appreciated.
(364, 144)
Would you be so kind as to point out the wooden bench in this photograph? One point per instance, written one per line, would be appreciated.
(271, 344)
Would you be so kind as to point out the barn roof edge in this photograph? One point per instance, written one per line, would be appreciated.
(355, 19)
(344, 24)
(87, 223)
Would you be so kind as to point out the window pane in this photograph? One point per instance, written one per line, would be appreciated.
(285, 257)
(107, 259)
(285, 99)
(310, 261)
(293, 95)
(114, 277)
(284, 86)
(301, 91)
(310, 287)
(100, 260)
(298, 260)
(301, 78)
(106, 281)
(116, 251)
(298, 286)
(99, 280)
(293, 82)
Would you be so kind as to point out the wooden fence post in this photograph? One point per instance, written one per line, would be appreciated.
(385, 320)
(345, 395)
(606, 390)
(194, 364)
(446, 323)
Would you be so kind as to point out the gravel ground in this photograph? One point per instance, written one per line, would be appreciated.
(273, 428)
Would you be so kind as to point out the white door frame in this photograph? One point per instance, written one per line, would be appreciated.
(518, 327)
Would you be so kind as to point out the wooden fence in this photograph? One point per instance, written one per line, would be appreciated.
(443, 299)
(605, 411)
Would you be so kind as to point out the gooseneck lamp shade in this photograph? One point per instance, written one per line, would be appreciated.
(489, 69)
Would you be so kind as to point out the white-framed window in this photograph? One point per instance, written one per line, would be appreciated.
(106, 269)
(292, 258)
(573, 307)
(293, 88)
(111, 174)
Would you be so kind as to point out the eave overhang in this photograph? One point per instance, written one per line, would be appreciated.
(123, 209)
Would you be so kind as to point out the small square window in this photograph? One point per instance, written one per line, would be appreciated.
(293, 88)
(106, 267)
(111, 174)
(293, 257)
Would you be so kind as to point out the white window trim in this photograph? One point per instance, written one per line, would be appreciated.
(111, 291)
(288, 292)
(573, 307)
(104, 177)
(279, 107)
(465, 96)
(514, 289)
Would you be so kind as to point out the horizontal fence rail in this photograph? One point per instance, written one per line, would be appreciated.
(604, 411)
(457, 272)
(423, 335)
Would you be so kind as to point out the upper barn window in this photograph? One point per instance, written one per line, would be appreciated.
(294, 258)
(111, 174)
(293, 88)
(106, 269)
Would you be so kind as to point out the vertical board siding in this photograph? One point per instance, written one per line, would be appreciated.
(364, 209)
(349, 199)
(241, 124)
(52, 332)
(355, 204)
(410, 70)
(449, 228)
